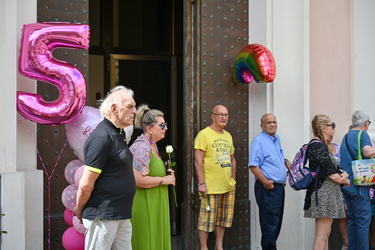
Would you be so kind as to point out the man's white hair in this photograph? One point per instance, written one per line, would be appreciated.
(110, 99)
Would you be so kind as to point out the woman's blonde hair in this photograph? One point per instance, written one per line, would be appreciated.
(146, 117)
(317, 123)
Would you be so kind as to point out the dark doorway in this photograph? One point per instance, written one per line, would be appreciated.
(139, 44)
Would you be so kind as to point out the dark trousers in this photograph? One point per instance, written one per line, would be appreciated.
(271, 211)
(359, 218)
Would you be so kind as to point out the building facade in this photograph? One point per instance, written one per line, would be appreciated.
(323, 58)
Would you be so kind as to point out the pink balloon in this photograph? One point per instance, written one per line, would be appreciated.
(37, 62)
(68, 217)
(78, 175)
(78, 226)
(79, 130)
(69, 195)
(71, 169)
(73, 240)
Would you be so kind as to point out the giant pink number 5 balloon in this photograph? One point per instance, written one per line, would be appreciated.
(37, 62)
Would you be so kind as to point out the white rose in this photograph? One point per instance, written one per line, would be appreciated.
(169, 149)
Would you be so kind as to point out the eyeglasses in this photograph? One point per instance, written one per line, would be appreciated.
(369, 122)
(163, 125)
(333, 125)
(221, 115)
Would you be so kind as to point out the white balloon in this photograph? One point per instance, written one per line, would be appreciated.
(78, 130)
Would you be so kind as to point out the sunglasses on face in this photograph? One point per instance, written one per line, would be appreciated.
(163, 125)
(333, 125)
(221, 115)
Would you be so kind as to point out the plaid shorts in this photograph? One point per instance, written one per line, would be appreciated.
(216, 209)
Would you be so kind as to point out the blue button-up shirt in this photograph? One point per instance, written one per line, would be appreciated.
(267, 154)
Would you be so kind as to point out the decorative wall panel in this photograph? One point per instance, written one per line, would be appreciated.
(224, 33)
(53, 150)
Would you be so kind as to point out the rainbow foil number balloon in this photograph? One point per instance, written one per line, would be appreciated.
(254, 62)
(37, 62)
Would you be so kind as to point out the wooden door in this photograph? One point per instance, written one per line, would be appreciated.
(215, 31)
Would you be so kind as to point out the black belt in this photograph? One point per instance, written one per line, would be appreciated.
(279, 184)
(275, 183)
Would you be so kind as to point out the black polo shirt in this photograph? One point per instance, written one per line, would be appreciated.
(106, 150)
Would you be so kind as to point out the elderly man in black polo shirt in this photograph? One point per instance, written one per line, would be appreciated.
(107, 187)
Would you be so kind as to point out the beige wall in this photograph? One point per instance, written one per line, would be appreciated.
(324, 52)
(283, 27)
(330, 62)
(324, 65)
(21, 184)
(363, 54)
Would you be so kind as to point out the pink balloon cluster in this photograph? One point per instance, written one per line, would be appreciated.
(73, 237)
(73, 173)
(77, 132)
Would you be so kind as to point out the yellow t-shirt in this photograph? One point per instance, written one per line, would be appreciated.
(217, 167)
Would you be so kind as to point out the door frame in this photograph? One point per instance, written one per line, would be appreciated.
(192, 100)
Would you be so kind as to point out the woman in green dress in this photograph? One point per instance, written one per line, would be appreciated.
(151, 219)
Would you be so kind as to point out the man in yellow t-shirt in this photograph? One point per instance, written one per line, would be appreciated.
(215, 167)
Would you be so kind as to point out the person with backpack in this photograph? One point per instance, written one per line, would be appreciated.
(357, 197)
(267, 163)
(323, 200)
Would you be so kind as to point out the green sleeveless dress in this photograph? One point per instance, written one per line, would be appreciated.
(150, 220)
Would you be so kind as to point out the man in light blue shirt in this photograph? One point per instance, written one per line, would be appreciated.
(267, 163)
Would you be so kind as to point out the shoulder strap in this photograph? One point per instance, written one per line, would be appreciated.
(313, 141)
(359, 145)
